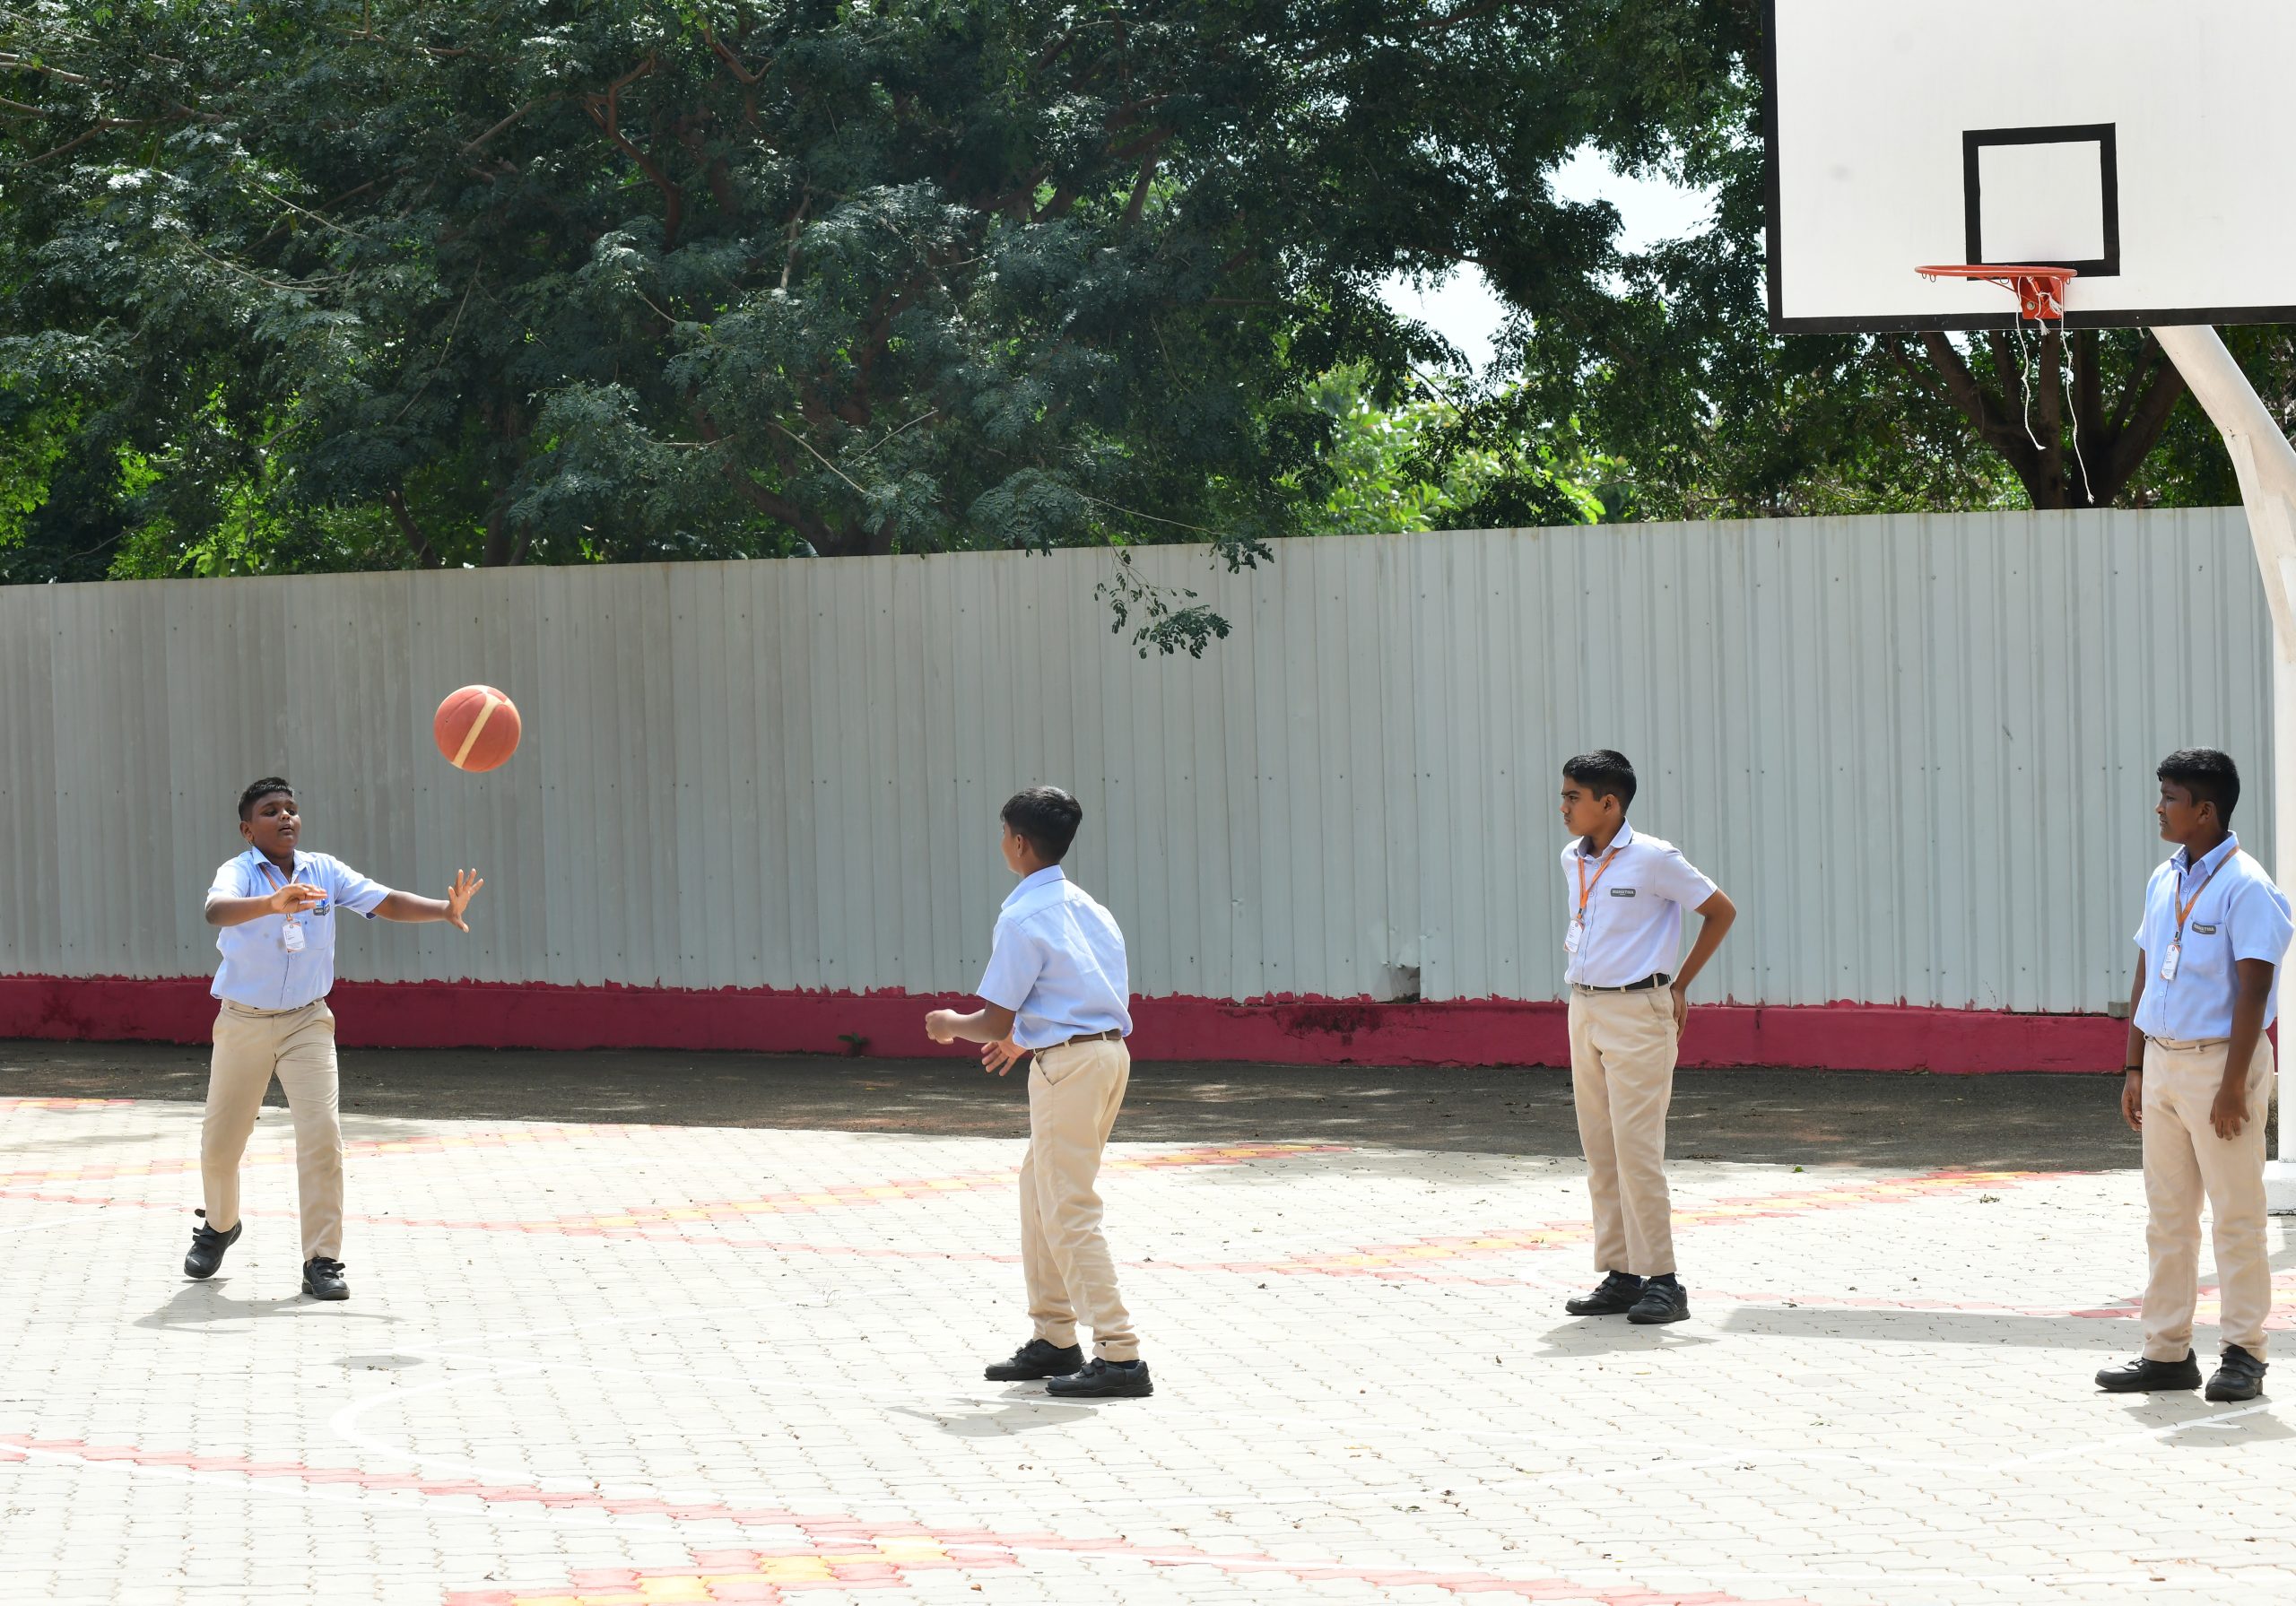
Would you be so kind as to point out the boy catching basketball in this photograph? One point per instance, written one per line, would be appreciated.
(276, 906)
(2199, 1082)
(1055, 987)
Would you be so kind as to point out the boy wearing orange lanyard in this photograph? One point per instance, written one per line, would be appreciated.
(2198, 1080)
(274, 908)
(1626, 893)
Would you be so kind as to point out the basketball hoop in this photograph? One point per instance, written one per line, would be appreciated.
(2039, 290)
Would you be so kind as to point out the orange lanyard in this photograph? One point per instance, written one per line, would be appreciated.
(2184, 909)
(1586, 887)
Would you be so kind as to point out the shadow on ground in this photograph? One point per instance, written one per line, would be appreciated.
(2012, 1122)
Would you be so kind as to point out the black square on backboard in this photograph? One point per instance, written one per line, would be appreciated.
(2099, 134)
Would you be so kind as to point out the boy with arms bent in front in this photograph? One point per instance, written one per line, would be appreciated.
(1056, 987)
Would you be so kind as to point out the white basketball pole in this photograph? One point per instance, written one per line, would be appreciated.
(2266, 466)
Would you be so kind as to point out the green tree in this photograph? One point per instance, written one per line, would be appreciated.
(1392, 474)
(346, 282)
(1676, 373)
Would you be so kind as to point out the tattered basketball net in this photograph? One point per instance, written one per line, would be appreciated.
(2039, 290)
(2040, 300)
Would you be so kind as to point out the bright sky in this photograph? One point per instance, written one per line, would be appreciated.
(1463, 309)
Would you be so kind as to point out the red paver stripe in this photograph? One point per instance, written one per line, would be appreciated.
(426, 1143)
(642, 1217)
(61, 1104)
(1400, 1257)
(840, 1536)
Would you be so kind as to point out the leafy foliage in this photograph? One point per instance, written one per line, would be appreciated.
(359, 282)
(1675, 373)
(366, 283)
(1396, 471)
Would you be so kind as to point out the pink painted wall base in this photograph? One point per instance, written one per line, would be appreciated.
(1281, 1031)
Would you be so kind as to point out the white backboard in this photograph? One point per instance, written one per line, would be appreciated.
(2144, 143)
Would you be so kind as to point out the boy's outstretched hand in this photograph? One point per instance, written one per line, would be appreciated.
(458, 896)
(1001, 1056)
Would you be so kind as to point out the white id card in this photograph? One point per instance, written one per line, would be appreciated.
(291, 934)
(2168, 961)
(1570, 937)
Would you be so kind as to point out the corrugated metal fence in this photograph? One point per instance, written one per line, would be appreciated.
(1918, 751)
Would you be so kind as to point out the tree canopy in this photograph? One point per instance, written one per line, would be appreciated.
(332, 282)
(357, 283)
(1677, 377)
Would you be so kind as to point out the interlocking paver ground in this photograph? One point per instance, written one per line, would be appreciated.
(618, 1365)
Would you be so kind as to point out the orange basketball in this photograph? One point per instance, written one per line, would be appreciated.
(476, 728)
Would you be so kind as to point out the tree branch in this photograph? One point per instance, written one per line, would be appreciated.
(1961, 388)
(2147, 421)
(500, 126)
(605, 111)
(774, 507)
(425, 553)
(749, 79)
(2133, 387)
(102, 125)
(2052, 424)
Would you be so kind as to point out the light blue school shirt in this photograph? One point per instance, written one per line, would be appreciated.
(2239, 914)
(258, 971)
(1057, 963)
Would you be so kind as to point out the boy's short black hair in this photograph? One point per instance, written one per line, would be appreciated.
(2209, 777)
(258, 790)
(1603, 773)
(1048, 818)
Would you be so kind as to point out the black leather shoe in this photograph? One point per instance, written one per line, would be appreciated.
(1037, 1359)
(1104, 1380)
(1615, 1296)
(323, 1279)
(207, 1246)
(2239, 1376)
(2141, 1377)
(1660, 1302)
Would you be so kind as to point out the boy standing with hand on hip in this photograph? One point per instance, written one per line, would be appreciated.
(1626, 894)
(1056, 988)
(274, 906)
(2199, 1082)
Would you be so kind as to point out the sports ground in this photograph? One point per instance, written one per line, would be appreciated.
(625, 1332)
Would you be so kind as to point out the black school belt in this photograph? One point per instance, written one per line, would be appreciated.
(1657, 979)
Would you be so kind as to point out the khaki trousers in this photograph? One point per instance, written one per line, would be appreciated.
(1622, 1047)
(1074, 1092)
(2185, 1161)
(298, 1046)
